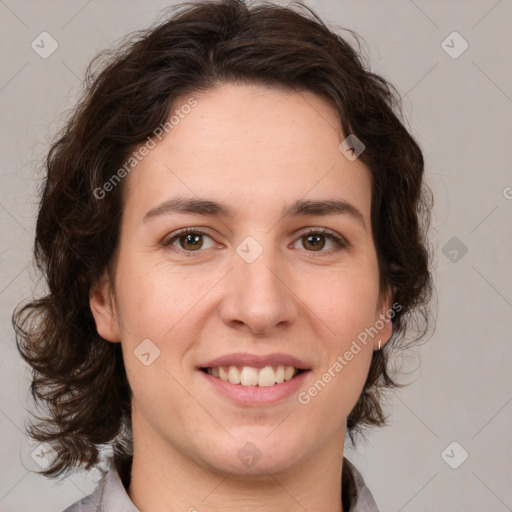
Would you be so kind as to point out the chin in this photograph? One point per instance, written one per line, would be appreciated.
(256, 454)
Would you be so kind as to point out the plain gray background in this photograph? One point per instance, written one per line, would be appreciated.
(458, 106)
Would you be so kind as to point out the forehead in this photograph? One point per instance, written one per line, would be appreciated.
(249, 145)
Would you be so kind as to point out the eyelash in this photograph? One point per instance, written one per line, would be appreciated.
(340, 241)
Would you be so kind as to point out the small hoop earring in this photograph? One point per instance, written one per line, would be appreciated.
(380, 341)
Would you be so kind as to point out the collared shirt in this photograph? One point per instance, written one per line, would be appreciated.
(111, 493)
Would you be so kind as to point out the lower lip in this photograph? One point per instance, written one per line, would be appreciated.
(256, 395)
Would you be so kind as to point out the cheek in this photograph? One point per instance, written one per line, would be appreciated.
(153, 298)
(155, 312)
(346, 316)
(345, 309)
(345, 301)
(163, 305)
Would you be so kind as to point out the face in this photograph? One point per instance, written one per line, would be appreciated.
(250, 278)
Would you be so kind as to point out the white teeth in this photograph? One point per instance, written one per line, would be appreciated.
(234, 375)
(288, 372)
(250, 376)
(223, 374)
(266, 377)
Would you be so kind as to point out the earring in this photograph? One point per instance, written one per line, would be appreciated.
(380, 341)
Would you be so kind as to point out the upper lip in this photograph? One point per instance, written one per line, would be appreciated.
(256, 361)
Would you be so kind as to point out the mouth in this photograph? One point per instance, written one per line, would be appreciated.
(250, 376)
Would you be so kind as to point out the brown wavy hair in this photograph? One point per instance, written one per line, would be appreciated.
(79, 377)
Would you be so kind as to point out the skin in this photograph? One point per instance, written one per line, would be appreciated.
(257, 149)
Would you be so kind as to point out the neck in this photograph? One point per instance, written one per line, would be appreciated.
(163, 478)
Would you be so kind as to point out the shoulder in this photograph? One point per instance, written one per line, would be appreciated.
(93, 502)
(361, 499)
(109, 496)
(90, 503)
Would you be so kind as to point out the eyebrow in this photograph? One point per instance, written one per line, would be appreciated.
(212, 208)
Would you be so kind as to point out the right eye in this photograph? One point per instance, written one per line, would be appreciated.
(189, 240)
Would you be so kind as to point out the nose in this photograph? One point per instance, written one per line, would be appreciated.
(258, 296)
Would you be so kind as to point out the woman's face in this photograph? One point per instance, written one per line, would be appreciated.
(248, 280)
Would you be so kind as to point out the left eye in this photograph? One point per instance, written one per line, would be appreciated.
(192, 240)
(313, 238)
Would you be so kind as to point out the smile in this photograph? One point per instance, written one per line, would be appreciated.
(252, 376)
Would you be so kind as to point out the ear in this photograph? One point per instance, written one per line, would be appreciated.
(104, 310)
(385, 313)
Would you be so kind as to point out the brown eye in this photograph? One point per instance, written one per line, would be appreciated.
(191, 241)
(188, 240)
(316, 240)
